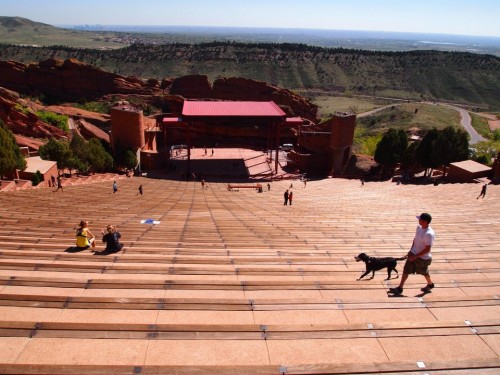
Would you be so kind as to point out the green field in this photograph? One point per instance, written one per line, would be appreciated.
(416, 116)
(329, 104)
(480, 123)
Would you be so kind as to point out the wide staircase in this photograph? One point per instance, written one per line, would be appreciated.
(235, 282)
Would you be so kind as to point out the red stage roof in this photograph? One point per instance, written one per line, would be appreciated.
(242, 109)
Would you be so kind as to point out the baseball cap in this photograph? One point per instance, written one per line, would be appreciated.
(425, 217)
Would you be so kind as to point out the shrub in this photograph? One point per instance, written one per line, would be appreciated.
(37, 178)
(59, 121)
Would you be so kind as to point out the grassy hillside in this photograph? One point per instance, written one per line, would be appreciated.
(409, 115)
(431, 75)
(417, 117)
(17, 30)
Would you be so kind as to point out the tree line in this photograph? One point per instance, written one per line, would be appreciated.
(438, 148)
(76, 155)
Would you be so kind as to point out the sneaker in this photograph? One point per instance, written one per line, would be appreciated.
(398, 290)
(427, 288)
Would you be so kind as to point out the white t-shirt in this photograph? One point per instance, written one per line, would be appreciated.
(423, 237)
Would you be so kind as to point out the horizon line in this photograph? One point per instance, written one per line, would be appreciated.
(276, 28)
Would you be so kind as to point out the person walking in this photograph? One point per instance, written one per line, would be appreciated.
(483, 191)
(111, 239)
(290, 197)
(419, 257)
(140, 189)
(84, 237)
(268, 186)
(285, 195)
(59, 184)
(115, 187)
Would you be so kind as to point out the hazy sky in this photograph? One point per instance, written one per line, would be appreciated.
(466, 17)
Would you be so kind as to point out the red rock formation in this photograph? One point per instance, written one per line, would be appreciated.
(88, 130)
(70, 80)
(192, 87)
(23, 122)
(198, 87)
(248, 89)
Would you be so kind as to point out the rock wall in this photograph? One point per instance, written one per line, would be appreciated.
(70, 80)
(24, 123)
(248, 89)
(198, 87)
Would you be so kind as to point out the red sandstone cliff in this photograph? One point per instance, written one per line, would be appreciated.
(198, 87)
(24, 123)
(70, 80)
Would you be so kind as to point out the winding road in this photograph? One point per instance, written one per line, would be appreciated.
(465, 119)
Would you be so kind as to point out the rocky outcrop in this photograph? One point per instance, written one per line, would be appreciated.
(70, 80)
(198, 87)
(192, 87)
(23, 122)
(248, 89)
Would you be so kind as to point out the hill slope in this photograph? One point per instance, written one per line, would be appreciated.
(18, 30)
(451, 76)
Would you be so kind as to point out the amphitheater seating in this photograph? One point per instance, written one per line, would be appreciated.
(238, 283)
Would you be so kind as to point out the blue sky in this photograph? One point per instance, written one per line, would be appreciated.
(464, 17)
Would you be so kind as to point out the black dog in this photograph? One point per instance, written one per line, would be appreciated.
(375, 264)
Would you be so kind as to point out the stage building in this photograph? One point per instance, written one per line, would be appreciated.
(244, 124)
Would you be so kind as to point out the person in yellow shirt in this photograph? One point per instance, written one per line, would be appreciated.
(84, 237)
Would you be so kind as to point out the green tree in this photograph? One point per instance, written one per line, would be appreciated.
(451, 145)
(58, 151)
(130, 160)
(424, 153)
(10, 154)
(124, 157)
(391, 147)
(79, 147)
(90, 156)
(408, 159)
(97, 157)
(37, 178)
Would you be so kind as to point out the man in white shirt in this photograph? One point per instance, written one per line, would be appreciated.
(419, 257)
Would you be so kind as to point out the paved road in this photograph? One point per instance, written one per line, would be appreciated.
(465, 120)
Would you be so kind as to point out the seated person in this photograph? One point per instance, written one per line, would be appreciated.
(84, 237)
(111, 238)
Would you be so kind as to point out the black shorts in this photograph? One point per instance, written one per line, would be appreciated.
(419, 265)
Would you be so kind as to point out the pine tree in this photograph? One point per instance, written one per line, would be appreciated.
(391, 147)
(10, 154)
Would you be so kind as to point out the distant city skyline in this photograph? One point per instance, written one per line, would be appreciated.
(459, 17)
